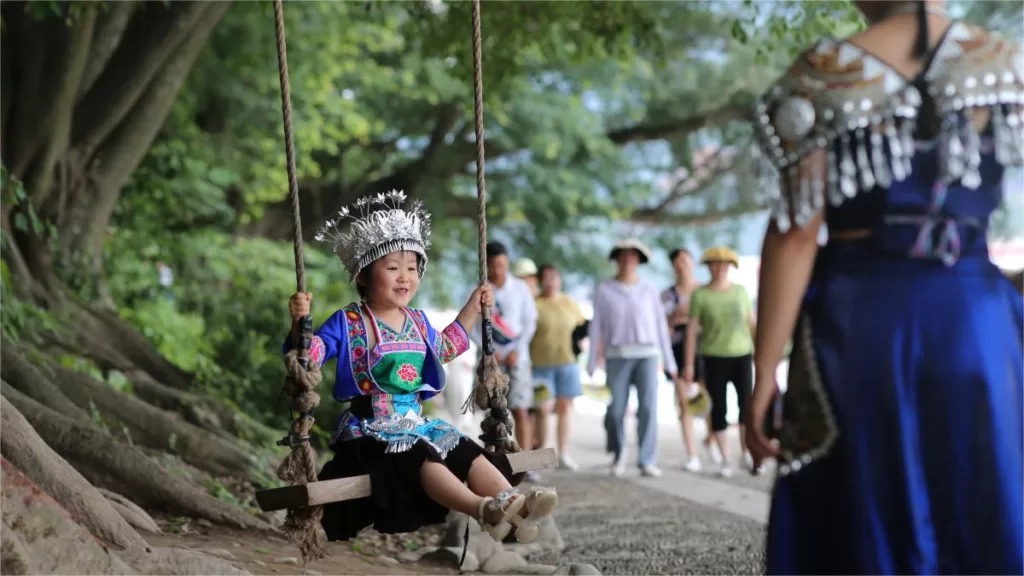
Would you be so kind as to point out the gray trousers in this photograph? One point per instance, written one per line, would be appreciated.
(642, 373)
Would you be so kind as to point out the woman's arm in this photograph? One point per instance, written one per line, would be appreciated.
(787, 261)
(596, 342)
(668, 358)
(692, 328)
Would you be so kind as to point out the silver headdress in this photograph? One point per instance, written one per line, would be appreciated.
(375, 227)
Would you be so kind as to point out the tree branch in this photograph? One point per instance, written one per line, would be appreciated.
(109, 29)
(54, 130)
(656, 217)
(154, 34)
(27, 38)
(721, 162)
(676, 127)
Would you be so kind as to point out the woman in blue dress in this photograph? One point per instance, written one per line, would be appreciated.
(901, 438)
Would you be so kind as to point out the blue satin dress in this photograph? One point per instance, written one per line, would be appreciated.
(914, 347)
(922, 365)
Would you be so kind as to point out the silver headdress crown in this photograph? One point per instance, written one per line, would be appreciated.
(375, 227)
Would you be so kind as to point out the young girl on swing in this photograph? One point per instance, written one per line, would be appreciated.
(389, 359)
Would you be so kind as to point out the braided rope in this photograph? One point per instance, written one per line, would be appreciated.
(492, 386)
(289, 144)
(481, 184)
(299, 466)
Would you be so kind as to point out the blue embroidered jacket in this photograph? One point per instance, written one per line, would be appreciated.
(343, 335)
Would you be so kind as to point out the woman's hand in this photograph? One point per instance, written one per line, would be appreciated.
(758, 408)
(482, 296)
(298, 305)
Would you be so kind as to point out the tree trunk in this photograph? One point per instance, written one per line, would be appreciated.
(116, 143)
(140, 478)
(26, 450)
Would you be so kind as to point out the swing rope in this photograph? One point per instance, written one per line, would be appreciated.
(302, 525)
(492, 388)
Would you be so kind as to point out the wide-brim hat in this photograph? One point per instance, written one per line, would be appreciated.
(524, 267)
(631, 244)
(720, 254)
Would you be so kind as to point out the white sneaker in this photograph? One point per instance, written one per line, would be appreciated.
(650, 471)
(619, 468)
(566, 463)
(532, 477)
(714, 452)
(725, 472)
(693, 465)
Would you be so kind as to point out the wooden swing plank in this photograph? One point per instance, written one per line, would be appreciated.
(318, 493)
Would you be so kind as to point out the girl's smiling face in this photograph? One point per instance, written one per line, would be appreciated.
(394, 279)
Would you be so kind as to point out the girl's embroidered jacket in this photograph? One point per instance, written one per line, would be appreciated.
(343, 335)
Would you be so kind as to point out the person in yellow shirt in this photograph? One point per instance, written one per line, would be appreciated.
(551, 351)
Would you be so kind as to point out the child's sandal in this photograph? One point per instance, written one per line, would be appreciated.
(509, 503)
(540, 503)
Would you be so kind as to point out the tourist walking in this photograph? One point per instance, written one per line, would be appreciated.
(676, 300)
(629, 334)
(901, 449)
(554, 363)
(722, 313)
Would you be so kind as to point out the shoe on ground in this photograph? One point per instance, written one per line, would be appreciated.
(567, 463)
(714, 452)
(693, 465)
(532, 477)
(619, 468)
(725, 471)
(650, 471)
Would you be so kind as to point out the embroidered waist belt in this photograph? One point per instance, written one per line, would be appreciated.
(395, 420)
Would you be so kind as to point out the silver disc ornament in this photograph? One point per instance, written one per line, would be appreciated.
(794, 118)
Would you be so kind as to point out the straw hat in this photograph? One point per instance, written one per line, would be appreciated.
(720, 254)
(524, 267)
(631, 244)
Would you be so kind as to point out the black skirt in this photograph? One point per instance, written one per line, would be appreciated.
(398, 503)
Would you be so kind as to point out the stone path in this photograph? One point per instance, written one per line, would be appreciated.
(681, 523)
(622, 527)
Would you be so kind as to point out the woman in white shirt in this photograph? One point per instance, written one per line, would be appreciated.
(628, 331)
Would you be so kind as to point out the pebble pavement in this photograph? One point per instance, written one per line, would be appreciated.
(623, 528)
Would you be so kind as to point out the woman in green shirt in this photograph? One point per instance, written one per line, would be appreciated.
(723, 315)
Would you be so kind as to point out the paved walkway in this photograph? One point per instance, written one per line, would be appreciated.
(681, 523)
(622, 527)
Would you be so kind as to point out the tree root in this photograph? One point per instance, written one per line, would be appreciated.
(207, 413)
(100, 325)
(155, 428)
(21, 374)
(26, 450)
(132, 514)
(138, 477)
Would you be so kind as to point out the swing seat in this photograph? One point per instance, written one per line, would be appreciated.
(327, 491)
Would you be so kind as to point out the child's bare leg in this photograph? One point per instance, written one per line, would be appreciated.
(444, 488)
(486, 480)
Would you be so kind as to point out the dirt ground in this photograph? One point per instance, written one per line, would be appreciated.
(272, 554)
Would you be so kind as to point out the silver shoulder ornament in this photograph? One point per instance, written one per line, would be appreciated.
(839, 98)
